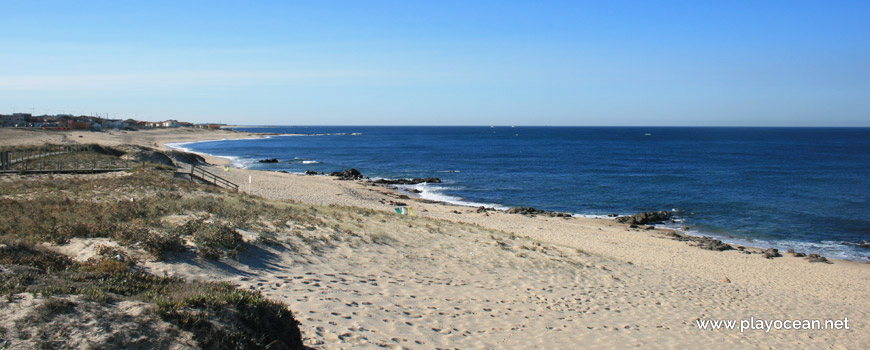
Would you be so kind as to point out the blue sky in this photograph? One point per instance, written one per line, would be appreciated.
(752, 63)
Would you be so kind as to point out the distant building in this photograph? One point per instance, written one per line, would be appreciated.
(16, 119)
(172, 123)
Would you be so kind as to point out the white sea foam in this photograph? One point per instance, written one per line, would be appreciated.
(237, 162)
(829, 249)
(309, 162)
(592, 216)
(435, 193)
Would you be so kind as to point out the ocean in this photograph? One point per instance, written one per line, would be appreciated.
(802, 188)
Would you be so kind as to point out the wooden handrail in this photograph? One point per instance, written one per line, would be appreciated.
(207, 176)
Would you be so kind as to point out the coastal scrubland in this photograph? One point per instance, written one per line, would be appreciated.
(59, 294)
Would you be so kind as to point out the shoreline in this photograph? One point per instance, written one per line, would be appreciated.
(645, 287)
(227, 160)
(806, 247)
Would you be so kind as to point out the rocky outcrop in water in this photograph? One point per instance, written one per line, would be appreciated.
(270, 160)
(349, 174)
(644, 218)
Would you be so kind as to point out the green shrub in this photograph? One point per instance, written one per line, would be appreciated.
(105, 266)
(23, 253)
(160, 244)
(215, 240)
(219, 315)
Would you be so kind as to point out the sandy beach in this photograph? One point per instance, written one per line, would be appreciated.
(452, 277)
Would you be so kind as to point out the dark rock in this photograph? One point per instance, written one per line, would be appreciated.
(791, 251)
(431, 180)
(864, 245)
(309, 172)
(815, 258)
(714, 244)
(644, 218)
(272, 160)
(799, 255)
(532, 212)
(524, 210)
(701, 242)
(612, 215)
(349, 174)
(770, 253)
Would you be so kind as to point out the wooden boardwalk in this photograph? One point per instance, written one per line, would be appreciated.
(205, 176)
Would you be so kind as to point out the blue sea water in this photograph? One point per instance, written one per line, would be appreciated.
(801, 188)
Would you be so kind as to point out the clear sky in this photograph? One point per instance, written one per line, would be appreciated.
(748, 63)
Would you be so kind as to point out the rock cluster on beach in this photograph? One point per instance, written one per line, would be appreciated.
(533, 211)
(349, 174)
(770, 253)
(701, 242)
(644, 218)
(813, 258)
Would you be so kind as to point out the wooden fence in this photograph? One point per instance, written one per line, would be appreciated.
(57, 159)
(10, 157)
